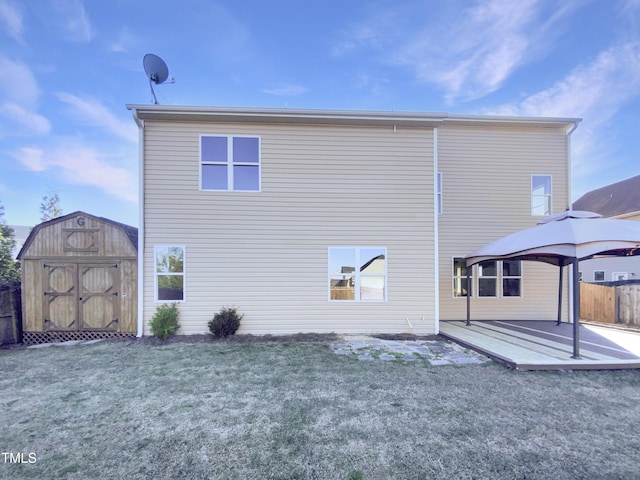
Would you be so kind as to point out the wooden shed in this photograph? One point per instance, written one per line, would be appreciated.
(79, 279)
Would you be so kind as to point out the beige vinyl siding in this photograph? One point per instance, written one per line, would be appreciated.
(266, 252)
(635, 216)
(487, 195)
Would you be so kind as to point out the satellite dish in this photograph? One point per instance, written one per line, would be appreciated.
(156, 70)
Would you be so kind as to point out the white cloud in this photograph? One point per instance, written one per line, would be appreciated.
(19, 94)
(125, 41)
(468, 52)
(11, 16)
(93, 112)
(35, 123)
(595, 92)
(74, 20)
(286, 90)
(82, 165)
(32, 158)
(17, 83)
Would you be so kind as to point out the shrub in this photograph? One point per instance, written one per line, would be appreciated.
(165, 321)
(226, 322)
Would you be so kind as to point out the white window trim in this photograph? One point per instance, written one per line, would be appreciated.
(184, 272)
(521, 277)
(229, 163)
(495, 278)
(474, 278)
(550, 194)
(614, 274)
(357, 274)
(603, 275)
(462, 277)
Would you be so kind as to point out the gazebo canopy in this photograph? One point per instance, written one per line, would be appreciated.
(563, 239)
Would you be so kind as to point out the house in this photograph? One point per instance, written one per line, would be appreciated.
(79, 279)
(617, 200)
(342, 221)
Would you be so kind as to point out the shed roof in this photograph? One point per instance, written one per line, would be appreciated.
(129, 231)
(611, 200)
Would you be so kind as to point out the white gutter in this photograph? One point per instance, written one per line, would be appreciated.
(335, 117)
(573, 129)
(141, 244)
(436, 243)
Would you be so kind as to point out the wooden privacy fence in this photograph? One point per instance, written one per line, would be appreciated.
(10, 316)
(628, 300)
(606, 304)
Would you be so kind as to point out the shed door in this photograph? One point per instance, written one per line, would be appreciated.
(99, 286)
(60, 297)
(81, 296)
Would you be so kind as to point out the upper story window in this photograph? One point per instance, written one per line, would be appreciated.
(540, 195)
(230, 163)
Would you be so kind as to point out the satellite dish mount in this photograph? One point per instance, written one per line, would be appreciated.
(156, 70)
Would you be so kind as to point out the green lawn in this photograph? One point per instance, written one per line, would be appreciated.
(292, 410)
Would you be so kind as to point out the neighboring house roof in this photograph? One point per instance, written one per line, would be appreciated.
(20, 235)
(611, 200)
(130, 232)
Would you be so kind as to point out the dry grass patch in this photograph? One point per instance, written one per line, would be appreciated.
(291, 410)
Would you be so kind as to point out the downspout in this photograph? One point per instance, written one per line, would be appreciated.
(436, 243)
(141, 244)
(570, 207)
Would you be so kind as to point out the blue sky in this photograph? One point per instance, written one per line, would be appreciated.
(68, 67)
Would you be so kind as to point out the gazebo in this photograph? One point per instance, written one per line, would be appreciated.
(563, 239)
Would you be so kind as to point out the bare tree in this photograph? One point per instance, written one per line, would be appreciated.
(50, 206)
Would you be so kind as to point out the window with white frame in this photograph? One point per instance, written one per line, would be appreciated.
(488, 278)
(540, 195)
(358, 274)
(439, 193)
(618, 276)
(511, 278)
(229, 163)
(460, 287)
(169, 273)
(494, 278)
(598, 276)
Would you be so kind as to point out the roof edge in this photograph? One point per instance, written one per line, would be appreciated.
(339, 117)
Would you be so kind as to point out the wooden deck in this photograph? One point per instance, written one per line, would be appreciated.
(543, 345)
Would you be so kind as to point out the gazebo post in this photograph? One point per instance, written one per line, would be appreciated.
(468, 298)
(576, 310)
(560, 295)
